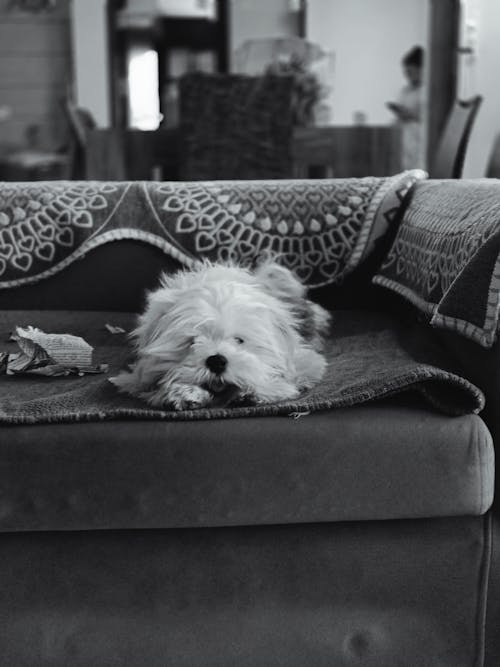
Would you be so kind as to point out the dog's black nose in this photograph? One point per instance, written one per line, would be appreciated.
(216, 363)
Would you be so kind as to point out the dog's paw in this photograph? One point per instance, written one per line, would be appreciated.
(185, 397)
(192, 398)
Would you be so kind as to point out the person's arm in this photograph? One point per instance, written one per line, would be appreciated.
(403, 112)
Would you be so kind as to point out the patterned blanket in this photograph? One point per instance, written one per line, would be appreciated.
(320, 229)
(445, 258)
(369, 357)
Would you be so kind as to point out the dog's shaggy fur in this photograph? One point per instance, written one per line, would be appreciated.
(222, 334)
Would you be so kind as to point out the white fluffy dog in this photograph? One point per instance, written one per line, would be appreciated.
(222, 334)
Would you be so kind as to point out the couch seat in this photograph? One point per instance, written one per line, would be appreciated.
(390, 459)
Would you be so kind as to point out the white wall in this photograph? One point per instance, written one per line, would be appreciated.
(250, 19)
(35, 66)
(483, 79)
(368, 38)
(90, 58)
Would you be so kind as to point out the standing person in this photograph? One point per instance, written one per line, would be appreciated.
(408, 110)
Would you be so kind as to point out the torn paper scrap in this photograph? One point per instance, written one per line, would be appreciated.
(55, 370)
(113, 329)
(48, 354)
(63, 349)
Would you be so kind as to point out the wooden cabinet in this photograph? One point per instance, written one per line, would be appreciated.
(335, 151)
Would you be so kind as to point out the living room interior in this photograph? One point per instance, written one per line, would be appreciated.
(72, 90)
(289, 458)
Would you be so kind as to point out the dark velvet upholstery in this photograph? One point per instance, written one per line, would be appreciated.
(381, 461)
(385, 593)
(358, 536)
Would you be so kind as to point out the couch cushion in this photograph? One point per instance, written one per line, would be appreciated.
(445, 258)
(382, 460)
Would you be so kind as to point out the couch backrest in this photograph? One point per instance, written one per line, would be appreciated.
(114, 276)
(73, 245)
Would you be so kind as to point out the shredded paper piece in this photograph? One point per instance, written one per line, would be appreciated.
(113, 329)
(48, 354)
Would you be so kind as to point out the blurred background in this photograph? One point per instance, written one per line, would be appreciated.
(126, 89)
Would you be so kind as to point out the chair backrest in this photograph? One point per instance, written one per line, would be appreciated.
(80, 122)
(235, 126)
(450, 154)
(493, 166)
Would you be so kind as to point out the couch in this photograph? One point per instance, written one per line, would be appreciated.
(360, 531)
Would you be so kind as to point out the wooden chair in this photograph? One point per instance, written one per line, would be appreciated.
(450, 154)
(80, 122)
(493, 167)
(235, 126)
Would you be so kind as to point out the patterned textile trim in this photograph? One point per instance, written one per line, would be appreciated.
(311, 226)
(409, 295)
(106, 237)
(464, 328)
(485, 335)
(445, 259)
(384, 211)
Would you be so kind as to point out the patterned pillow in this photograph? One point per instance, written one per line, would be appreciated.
(445, 258)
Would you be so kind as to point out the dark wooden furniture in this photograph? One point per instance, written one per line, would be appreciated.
(182, 42)
(337, 151)
(493, 166)
(346, 151)
(442, 54)
(449, 158)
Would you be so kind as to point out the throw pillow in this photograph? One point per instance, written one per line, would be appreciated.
(445, 258)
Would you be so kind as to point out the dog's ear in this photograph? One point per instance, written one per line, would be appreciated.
(159, 302)
(279, 281)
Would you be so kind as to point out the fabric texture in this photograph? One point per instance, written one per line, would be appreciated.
(370, 594)
(321, 230)
(387, 216)
(369, 357)
(445, 258)
(235, 126)
(387, 460)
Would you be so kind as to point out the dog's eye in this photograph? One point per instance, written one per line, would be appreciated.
(239, 340)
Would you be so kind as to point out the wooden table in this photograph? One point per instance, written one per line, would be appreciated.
(334, 151)
(347, 151)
